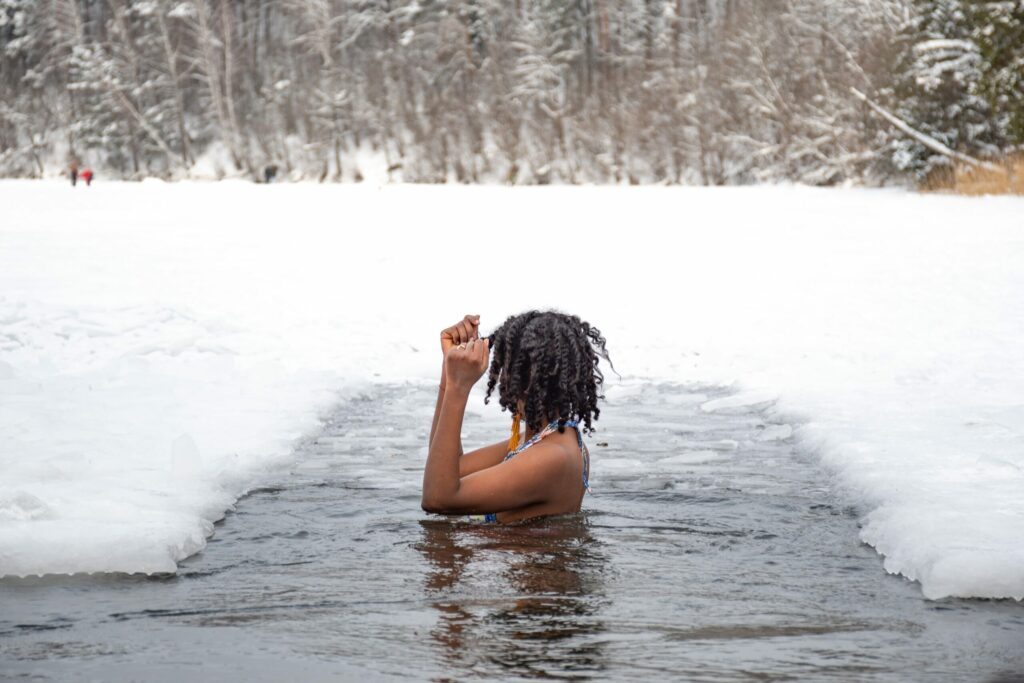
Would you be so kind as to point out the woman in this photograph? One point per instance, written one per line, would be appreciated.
(546, 369)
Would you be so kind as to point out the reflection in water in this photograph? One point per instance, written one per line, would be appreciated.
(520, 600)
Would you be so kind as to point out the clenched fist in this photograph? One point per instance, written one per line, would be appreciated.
(461, 332)
(466, 363)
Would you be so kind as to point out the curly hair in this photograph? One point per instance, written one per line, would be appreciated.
(549, 362)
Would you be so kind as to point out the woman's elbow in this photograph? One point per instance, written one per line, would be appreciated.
(438, 500)
(430, 504)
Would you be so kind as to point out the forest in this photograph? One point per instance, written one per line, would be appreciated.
(710, 92)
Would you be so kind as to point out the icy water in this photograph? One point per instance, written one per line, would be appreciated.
(711, 550)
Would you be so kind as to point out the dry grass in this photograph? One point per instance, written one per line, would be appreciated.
(968, 180)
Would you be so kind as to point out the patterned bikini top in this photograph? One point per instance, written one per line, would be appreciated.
(550, 429)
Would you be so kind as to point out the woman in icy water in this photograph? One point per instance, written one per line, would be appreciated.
(545, 368)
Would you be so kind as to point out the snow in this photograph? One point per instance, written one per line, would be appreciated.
(164, 345)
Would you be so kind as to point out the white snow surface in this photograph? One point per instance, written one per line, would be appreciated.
(163, 346)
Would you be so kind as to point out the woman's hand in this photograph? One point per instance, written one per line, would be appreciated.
(466, 363)
(461, 332)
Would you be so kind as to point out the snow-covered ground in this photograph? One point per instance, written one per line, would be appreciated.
(162, 346)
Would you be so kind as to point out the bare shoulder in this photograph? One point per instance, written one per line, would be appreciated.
(556, 451)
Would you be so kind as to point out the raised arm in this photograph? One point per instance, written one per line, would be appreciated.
(463, 367)
(459, 333)
(478, 459)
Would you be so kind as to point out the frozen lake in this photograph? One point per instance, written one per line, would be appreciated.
(711, 550)
(163, 346)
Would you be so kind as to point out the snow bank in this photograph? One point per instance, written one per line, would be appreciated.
(163, 345)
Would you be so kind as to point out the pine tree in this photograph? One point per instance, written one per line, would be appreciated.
(940, 89)
(998, 31)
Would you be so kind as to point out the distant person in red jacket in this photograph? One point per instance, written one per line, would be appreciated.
(87, 176)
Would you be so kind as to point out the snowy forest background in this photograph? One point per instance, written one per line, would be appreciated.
(523, 91)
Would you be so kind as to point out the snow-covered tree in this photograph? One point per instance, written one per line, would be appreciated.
(998, 32)
(939, 91)
(701, 91)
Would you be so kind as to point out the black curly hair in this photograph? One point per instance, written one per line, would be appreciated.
(548, 361)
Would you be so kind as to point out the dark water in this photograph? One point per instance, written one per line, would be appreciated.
(707, 553)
